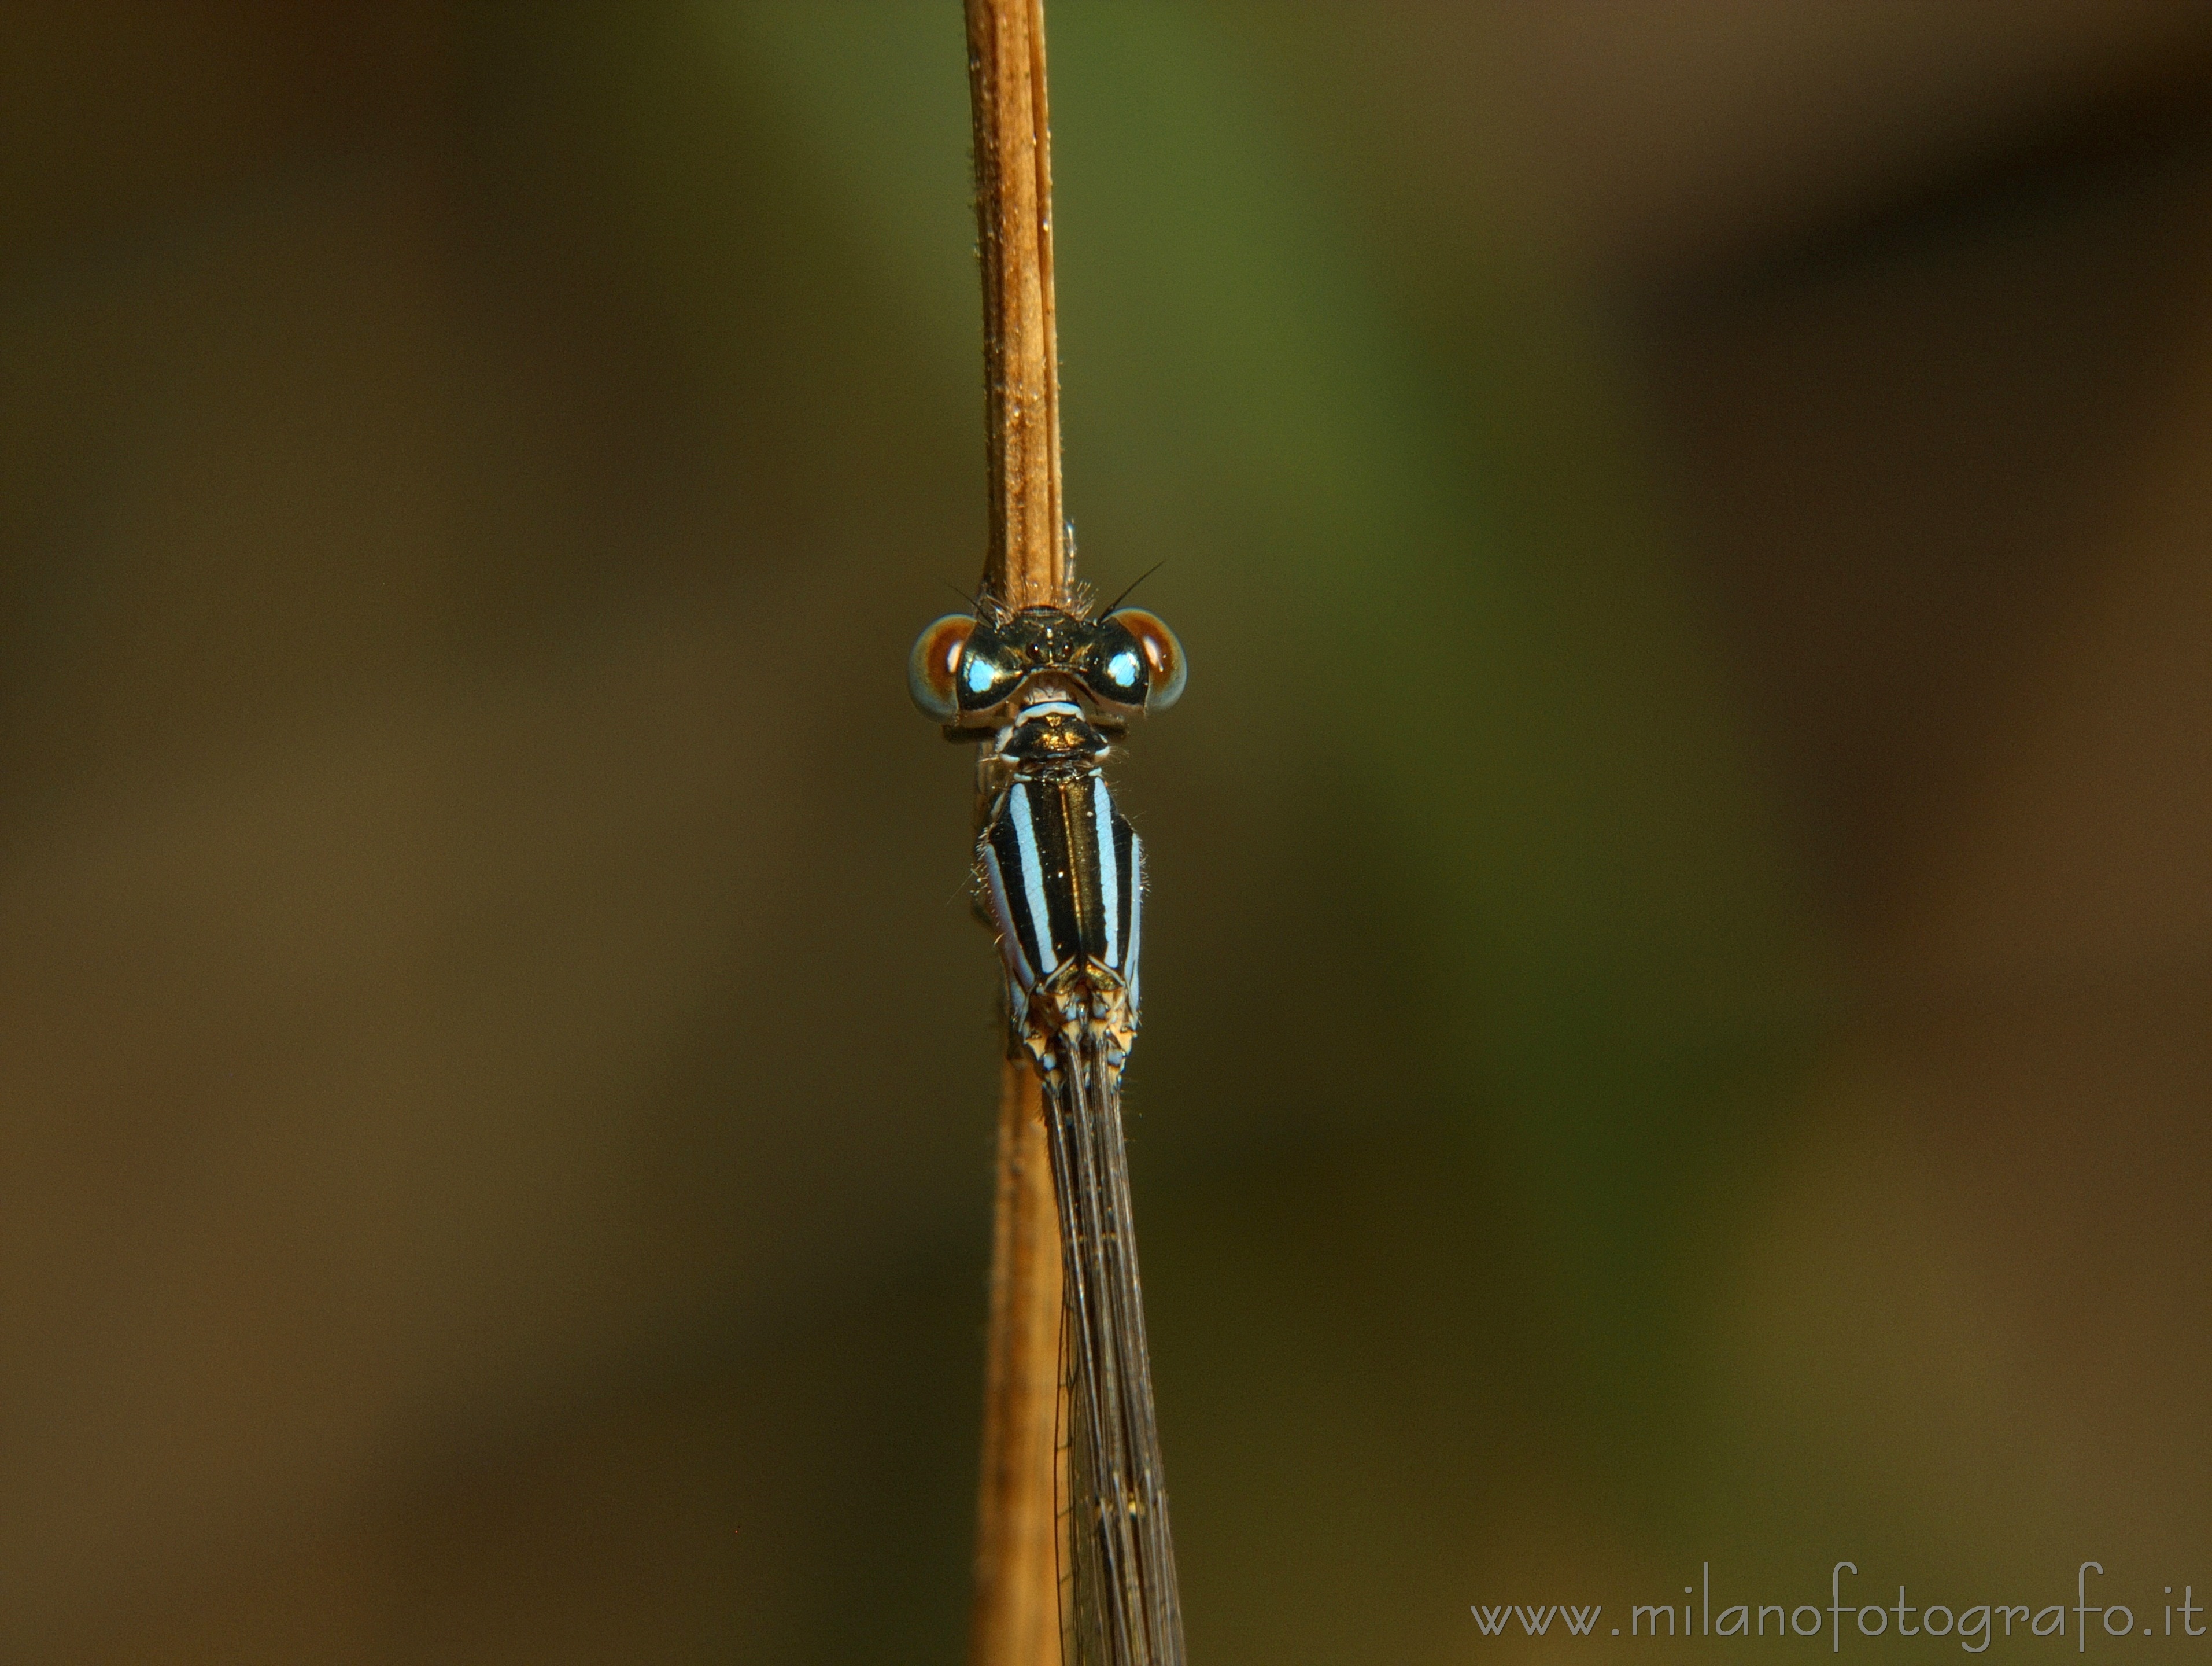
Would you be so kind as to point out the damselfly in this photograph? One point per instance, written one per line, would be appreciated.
(1048, 691)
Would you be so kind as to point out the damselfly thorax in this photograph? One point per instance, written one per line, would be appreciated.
(1048, 691)
(1063, 876)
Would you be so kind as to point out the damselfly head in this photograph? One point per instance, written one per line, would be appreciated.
(964, 668)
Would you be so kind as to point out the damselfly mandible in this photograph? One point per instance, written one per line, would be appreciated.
(1048, 691)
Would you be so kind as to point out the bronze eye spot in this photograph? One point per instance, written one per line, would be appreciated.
(932, 668)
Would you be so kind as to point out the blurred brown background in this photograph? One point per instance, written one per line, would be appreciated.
(1682, 929)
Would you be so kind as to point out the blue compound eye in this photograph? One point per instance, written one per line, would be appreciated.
(1112, 666)
(989, 668)
(1163, 668)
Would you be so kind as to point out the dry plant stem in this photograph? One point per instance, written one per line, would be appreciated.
(1025, 564)
(1016, 1620)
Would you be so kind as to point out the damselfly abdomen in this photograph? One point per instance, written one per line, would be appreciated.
(1049, 690)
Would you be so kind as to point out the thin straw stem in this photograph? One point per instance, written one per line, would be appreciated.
(1016, 1621)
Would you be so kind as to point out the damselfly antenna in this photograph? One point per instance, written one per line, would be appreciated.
(1115, 604)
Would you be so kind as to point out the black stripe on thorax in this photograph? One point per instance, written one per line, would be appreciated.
(1067, 845)
(1124, 900)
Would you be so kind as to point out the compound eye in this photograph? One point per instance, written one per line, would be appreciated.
(1112, 665)
(1164, 665)
(989, 668)
(932, 667)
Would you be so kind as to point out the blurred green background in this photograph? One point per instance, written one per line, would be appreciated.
(1677, 979)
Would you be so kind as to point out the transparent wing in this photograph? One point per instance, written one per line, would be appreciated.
(1120, 1605)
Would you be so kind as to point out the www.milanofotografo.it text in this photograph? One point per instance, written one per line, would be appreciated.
(1852, 1614)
